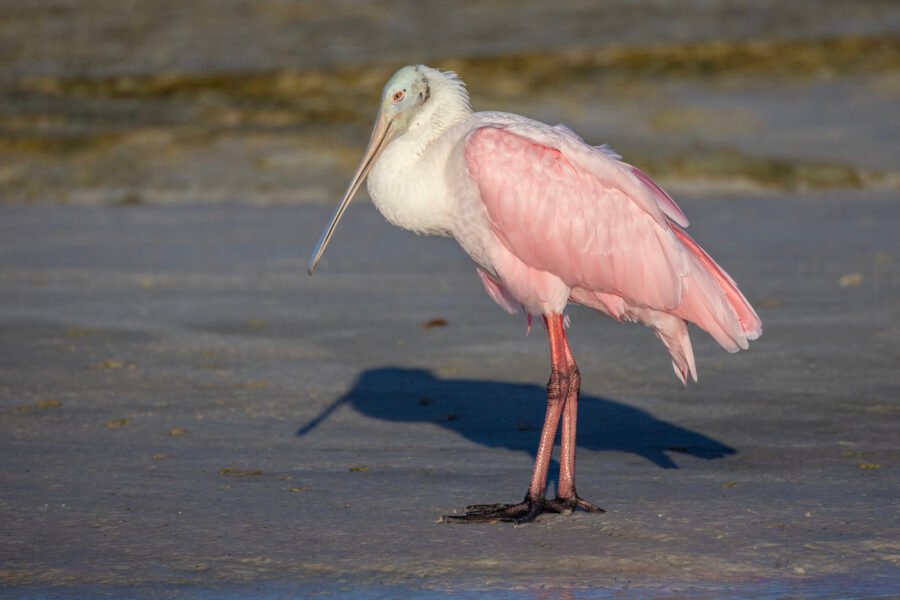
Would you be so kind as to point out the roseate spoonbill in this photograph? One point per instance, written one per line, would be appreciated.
(548, 220)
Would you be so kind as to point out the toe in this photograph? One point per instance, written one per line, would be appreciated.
(482, 508)
(485, 513)
(587, 506)
(570, 504)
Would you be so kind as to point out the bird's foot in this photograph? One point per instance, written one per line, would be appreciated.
(523, 512)
(570, 504)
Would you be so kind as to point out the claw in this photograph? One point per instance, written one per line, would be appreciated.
(587, 506)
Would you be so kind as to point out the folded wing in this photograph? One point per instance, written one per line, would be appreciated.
(607, 230)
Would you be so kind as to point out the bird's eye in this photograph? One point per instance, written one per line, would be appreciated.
(398, 96)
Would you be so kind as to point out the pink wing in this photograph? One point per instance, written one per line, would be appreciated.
(578, 224)
(607, 231)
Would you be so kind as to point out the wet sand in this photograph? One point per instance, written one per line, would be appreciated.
(185, 412)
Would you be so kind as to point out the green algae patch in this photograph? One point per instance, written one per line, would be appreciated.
(43, 404)
(257, 384)
(109, 363)
(681, 120)
(335, 95)
(77, 332)
(797, 57)
(57, 144)
(48, 403)
(770, 58)
(854, 279)
(731, 165)
(280, 98)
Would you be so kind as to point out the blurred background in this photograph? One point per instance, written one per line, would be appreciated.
(270, 101)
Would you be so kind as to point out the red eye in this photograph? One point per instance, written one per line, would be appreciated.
(398, 96)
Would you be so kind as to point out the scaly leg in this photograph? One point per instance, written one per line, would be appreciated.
(563, 386)
(566, 497)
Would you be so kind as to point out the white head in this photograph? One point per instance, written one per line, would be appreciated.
(416, 97)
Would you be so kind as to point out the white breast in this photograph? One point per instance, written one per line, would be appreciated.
(430, 192)
(411, 189)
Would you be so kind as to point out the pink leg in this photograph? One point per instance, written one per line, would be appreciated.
(563, 386)
(566, 497)
(557, 389)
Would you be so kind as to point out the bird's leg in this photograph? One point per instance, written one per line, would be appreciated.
(533, 504)
(558, 391)
(566, 497)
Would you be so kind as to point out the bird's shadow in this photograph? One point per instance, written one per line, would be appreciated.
(507, 415)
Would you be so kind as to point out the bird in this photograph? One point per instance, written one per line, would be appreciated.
(548, 220)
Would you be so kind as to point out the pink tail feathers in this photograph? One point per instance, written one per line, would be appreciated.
(712, 300)
(673, 333)
(671, 330)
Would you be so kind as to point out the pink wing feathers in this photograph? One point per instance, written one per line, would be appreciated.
(608, 232)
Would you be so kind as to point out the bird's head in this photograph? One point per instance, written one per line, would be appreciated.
(403, 98)
(414, 95)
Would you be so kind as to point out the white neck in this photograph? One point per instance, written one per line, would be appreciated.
(399, 182)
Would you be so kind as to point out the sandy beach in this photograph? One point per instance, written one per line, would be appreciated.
(223, 420)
